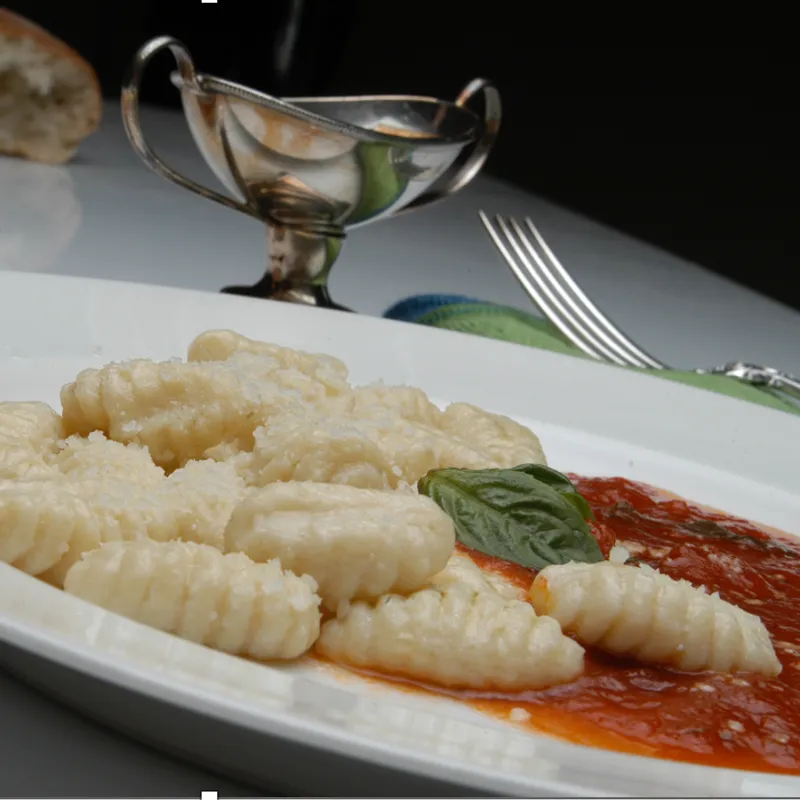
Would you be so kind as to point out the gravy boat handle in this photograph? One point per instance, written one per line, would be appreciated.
(132, 121)
(480, 150)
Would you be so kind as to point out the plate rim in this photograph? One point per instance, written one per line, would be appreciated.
(81, 658)
(303, 309)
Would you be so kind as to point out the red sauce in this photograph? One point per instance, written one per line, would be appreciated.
(740, 721)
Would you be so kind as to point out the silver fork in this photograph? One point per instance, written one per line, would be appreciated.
(567, 306)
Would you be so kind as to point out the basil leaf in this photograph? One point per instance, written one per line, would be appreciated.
(561, 483)
(580, 502)
(526, 514)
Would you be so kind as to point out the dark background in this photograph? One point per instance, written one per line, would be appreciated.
(694, 149)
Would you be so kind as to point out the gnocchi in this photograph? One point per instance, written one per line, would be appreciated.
(456, 635)
(250, 499)
(639, 612)
(505, 442)
(417, 448)
(310, 445)
(96, 457)
(28, 435)
(48, 524)
(328, 372)
(395, 402)
(353, 542)
(179, 410)
(382, 437)
(461, 569)
(196, 592)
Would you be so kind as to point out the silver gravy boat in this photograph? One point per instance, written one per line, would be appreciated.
(312, 168)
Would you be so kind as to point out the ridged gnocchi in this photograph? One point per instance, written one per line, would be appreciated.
(196, 592)
(399, 402)
(456, 635)
(381, 437)
(462, 436)
(639, 612)
(97, 458)
(461, 569)
(47, 525)
(28, 436)
(179, 410)
(308, 444)
(353, 542)
(503, 440)
(323, 370)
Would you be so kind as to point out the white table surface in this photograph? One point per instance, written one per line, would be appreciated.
(108, 216)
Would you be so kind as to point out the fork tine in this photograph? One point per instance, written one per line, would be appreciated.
(522, 275)
(566, 306)
(588, 312)
(532, 283)
(584, 321)
(550, 305)
(539, 272)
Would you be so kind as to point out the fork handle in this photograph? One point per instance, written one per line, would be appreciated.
(785, 383)
(761, 376)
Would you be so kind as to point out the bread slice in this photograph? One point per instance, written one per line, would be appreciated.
(50, 98)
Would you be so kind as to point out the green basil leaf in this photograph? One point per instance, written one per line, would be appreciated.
(561, 483)
(515, 515)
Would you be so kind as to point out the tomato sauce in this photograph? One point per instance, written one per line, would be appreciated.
(741, 721)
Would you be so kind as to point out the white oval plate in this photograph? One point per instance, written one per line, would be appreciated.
(315, 731)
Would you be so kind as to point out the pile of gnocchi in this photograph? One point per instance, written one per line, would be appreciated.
(250, 499)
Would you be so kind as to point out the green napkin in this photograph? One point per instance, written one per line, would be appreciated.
(458, 313)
